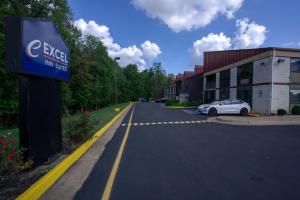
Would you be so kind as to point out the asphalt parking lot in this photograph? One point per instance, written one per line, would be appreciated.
(171, 154)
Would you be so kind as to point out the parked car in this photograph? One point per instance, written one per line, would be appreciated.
(143, 99)
(229, 106)
(162, 100)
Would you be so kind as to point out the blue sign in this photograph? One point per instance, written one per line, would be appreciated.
(44, 52)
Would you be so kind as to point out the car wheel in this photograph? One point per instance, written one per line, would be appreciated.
(244, 112)
(212, 112)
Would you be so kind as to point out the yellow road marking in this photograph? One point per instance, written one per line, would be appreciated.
(36, 190)
(112, 176)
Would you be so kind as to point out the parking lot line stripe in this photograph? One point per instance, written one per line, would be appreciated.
(153, 123)
(112, 176)
(141, 124)
(123, 124)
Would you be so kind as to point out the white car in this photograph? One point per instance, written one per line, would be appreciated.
(229, 106)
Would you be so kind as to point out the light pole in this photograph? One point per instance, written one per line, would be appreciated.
(115, 81)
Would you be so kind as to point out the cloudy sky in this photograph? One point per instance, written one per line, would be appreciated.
(176, 32)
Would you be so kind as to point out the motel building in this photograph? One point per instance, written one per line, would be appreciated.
(267, 78)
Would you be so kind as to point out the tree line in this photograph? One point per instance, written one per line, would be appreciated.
(95, 79)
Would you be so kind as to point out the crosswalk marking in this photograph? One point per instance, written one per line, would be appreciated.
(165, 123)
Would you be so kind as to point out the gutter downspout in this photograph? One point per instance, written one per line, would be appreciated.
(272, 84)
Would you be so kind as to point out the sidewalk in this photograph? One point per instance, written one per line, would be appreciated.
(67, 186)
(257, 121)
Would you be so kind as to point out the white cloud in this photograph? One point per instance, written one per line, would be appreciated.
(150, 50)
(128, 55)
(249, 34)
(182, 15)
(212, 42)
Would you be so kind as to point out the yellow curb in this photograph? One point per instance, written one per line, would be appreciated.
(253, 115)
(43, 184)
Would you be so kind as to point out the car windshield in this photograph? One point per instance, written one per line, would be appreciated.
(215, 102)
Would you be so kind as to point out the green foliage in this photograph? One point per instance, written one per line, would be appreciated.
(173, 102)
(296, 110)
(10, 153)
(281, 112)
(95, 77)
(78, 127)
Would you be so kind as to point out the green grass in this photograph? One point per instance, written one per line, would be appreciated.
(102, 116)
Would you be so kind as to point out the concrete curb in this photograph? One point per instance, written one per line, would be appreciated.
(43, 184)
(180, 107)
(251, 123)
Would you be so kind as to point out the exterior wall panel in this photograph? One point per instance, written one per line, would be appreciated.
(280, 98)
(282, 70)
(261, 98)
(262, 71)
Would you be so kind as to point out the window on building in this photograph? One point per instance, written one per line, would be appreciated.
(224, 84)
(225, 79)
(295, 82)
(245, 74)
(295, 65)
(244, 82)
(211, 81)
(295, 70)
(295, 94)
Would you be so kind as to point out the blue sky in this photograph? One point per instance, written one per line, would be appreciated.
(176, 38)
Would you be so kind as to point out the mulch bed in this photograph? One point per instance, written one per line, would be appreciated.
(13, 184)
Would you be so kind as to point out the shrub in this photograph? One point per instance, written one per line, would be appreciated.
(281, 112)
(11, 156)
(176, 103)
(171, 102)
(296, 110)
(77, 127)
